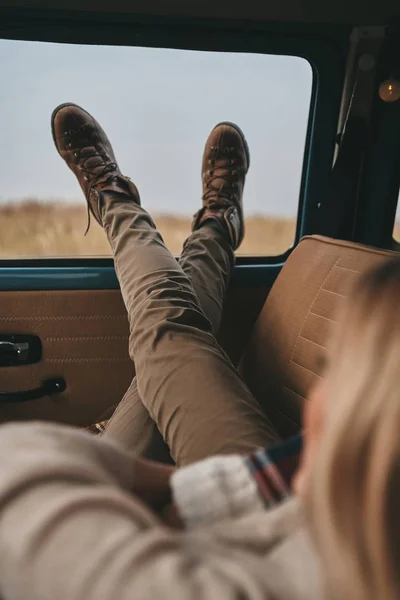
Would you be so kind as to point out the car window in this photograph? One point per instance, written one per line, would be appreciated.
(157, 106)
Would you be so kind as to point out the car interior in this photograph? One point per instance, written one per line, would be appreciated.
(63, 325)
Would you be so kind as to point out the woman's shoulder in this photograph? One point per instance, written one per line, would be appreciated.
(274, 547)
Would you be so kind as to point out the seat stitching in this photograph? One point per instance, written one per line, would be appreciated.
(335, 293)
(311, 342)
(86, 360)
(99, 338)
(306, 315)
(66, 318)
(285, 387)
(347, 269)
(283, 414)
(305, 368)
(322, 317)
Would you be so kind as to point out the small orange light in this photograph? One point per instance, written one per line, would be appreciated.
(389, 90)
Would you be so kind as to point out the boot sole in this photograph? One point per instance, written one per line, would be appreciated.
(240, 132)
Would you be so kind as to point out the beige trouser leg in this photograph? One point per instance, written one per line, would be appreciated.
(184, 380)
(207, 260)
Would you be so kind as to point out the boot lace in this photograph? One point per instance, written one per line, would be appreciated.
(220, 194)
(83, 154)
(101, 170)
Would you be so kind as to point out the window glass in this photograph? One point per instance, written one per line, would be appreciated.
(157, 107)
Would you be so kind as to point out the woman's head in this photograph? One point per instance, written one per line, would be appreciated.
(351, 475)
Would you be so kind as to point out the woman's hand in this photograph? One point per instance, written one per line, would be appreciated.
(171, 517)
(151, 483)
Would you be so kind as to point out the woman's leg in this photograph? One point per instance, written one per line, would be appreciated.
(207, 260)
(187, 383)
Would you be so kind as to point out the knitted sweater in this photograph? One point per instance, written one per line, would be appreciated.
(225, 487)
(71, 529)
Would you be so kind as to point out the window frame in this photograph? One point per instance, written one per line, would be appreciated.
(380, 180)
(324, 47)
(380, 176)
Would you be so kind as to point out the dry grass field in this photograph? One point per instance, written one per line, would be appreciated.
(32, 229)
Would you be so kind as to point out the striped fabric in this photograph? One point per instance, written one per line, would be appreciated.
(273, 469)
(98, 428)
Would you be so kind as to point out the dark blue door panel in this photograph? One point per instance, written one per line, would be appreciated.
(103, 277)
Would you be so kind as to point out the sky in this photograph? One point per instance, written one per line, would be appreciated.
(157, 107)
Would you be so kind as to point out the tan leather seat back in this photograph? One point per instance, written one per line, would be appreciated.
(282, 359)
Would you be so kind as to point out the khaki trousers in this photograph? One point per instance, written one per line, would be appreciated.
(186, 388)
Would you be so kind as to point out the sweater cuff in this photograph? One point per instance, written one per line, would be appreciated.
(215, 489)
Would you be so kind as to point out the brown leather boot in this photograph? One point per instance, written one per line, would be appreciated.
(84, 146)
(226, 161)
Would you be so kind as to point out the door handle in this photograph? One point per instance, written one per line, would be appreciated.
(49, 387)
(19, 350)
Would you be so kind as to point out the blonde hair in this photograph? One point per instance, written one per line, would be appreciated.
(354, 498)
